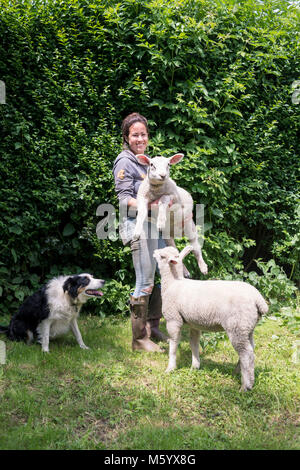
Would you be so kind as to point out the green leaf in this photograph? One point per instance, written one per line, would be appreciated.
(68, 230)
(228, 109)
(14, 254)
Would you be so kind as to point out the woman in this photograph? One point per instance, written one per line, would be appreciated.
(145, 302)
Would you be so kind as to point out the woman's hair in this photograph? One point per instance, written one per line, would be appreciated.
(127, 123)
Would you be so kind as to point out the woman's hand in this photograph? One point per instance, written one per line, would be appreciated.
(132, 202)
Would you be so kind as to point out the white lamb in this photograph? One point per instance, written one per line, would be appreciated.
(174, 221)
(232, 306)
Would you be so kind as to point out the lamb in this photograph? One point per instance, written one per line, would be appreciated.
(159, 185)
(233, 306)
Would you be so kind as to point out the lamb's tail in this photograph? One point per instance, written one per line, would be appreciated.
(261, 305)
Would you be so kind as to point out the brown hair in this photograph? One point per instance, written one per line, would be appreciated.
(128, 122)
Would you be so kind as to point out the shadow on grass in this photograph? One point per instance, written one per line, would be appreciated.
(123, 391)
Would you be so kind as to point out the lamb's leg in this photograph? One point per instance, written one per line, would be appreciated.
(251, 339)
(174, 330)
(77, 334)
(141, 217)
(194, 342)
(247, 368)
(162, 211)
(191, 232)
(237, 369)
(244, 348)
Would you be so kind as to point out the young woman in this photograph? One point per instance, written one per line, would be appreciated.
(145, 302)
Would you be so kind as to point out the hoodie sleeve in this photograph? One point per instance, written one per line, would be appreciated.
(124, 181)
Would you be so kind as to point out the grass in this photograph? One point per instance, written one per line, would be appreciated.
(109, 397)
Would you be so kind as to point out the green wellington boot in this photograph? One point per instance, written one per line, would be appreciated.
(140, 338)
(154, 316)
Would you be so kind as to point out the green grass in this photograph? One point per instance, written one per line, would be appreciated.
(111, 398)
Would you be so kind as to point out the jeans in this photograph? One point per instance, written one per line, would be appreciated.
(142, 256)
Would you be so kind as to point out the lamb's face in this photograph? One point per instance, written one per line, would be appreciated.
(159, 167)
(166, 256)
(171, 257)
(169, 262)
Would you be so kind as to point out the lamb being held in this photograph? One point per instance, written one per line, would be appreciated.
(159, 185)
(233, 306)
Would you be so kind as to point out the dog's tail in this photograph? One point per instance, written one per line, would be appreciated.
(4, 329)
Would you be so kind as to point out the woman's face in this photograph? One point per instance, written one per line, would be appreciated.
(138, 138)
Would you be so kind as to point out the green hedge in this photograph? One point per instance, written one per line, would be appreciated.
(215, 80)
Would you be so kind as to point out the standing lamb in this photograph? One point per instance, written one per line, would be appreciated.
(232, 306)
(159, 185)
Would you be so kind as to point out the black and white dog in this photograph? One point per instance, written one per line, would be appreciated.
(53, 310)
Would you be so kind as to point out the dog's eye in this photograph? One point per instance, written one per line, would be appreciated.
(84, 281)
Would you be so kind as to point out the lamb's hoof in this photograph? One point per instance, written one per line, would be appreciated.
(136, 237)
(204, 269)
(83, 346)
(245, 388)
(186, 273)
(160, 227)
(169, 369)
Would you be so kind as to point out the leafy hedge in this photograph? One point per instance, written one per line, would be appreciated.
(215, 80)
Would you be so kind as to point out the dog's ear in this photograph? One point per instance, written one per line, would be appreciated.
(73, 283)
(70, 285)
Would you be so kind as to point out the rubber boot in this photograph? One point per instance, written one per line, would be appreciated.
(140, 338)
(154, 316)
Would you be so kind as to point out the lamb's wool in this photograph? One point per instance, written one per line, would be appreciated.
(159, 185)
(233, 306)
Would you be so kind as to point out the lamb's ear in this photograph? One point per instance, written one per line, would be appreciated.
(186, 250)
(176, 158)
(143, 159)
(156, 255)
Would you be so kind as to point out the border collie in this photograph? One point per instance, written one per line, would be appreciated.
(53, 310)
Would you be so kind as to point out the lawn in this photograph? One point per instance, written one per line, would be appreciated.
(111, 398)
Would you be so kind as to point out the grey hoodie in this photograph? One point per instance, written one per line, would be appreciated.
(128, 174)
